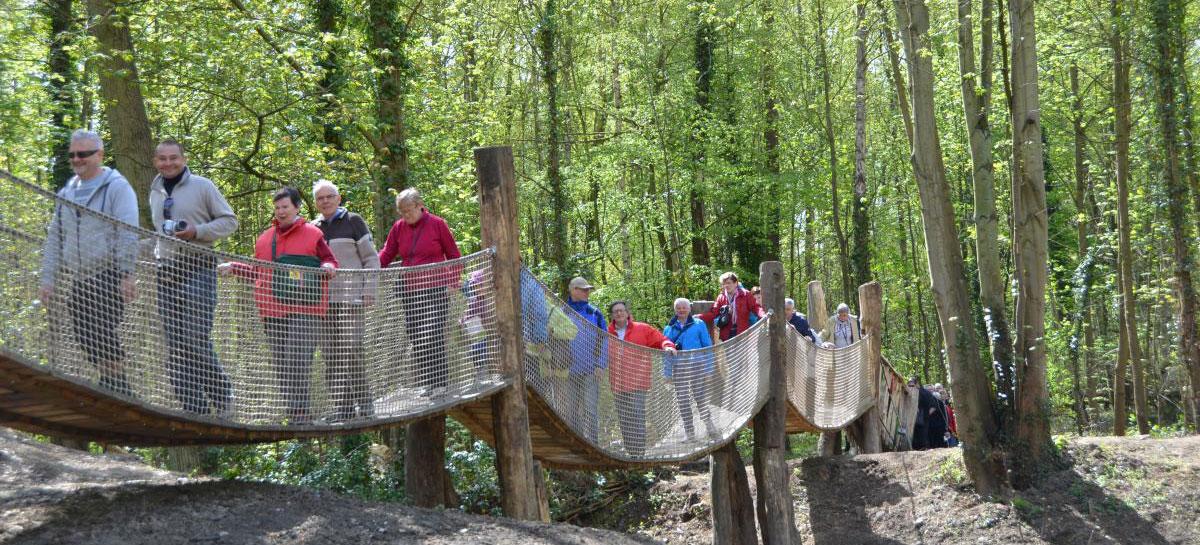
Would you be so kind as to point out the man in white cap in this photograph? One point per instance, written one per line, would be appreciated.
(588, 349)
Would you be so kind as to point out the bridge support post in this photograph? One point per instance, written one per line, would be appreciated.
(776, 515)
(519, 475)
(870, 308)
(830, 443)
(732, 505)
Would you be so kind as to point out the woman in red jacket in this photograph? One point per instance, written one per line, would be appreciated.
(291, 300)
(732, 310)
(629, 373)
(421, 238)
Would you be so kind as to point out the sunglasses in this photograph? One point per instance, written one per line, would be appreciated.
(82, 154)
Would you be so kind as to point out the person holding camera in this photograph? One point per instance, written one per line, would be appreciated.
(731, 312)
(292, 296)
(188, 207)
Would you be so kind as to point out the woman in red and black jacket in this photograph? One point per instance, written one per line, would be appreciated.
(291, 301)
(421, 238)
(629, 373)
(732, 310)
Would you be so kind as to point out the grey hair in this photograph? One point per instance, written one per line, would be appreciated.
(84, 135)
(789, 301)
(844, 307)
(683, 300)
(322, 184)
(410, 195)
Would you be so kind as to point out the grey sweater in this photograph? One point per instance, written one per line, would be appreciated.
(88, 243)
(196, 200)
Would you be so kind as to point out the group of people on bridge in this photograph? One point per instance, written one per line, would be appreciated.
(303, 304)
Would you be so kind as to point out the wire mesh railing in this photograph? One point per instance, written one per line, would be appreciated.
(150, 319)
(183, 329)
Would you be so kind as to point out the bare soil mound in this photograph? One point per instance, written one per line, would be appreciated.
(1109, 490)
(53, 495)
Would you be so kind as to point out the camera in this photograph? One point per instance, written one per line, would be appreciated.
(171, 227)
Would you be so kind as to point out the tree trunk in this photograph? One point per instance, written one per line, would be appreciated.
(861, 254)
(732, 506)
(1031, 448)
(946, 268)
(1168, 17)
(1188, 142)
(329, 17)
(892, 47)
(131, 146)
(1084, 273)
(704, 48)
(1127, 340)
(548, 50)
(987, 243)
(61, 86)
(831, 144)
(388, 37)
(426, 481)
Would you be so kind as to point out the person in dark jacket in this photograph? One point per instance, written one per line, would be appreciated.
(421, 238)
(926, 407)
(291, 301)
(798, 320)
(690, 373)
(629, 373)
(731, 311)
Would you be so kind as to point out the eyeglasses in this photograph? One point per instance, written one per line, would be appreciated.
(82, 154)
(167, 204)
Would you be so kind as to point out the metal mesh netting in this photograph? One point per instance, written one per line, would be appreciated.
(264, 345)
(633, 402)
(829, 387)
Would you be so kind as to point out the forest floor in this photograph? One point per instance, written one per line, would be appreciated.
(1109, 490)
(1130, 490)
(54, 495)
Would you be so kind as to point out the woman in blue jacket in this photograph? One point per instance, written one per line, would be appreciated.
(689, 371)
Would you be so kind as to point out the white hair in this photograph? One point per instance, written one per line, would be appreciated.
(844, 307)
(683, 300)
(789, 301)
(322, 184)
(410, 195)
(84, 135)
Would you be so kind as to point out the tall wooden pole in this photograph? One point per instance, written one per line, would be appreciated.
(519, 496)
(870, 315)
(776, 516)
(830, 443)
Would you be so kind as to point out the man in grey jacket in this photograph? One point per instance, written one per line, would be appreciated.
(344, 327)
(188, 207)
(95, 255)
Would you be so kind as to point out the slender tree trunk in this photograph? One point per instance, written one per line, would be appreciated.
(548, 36)
(810, 269)
(1123, 127)
(1188, 142)
(131, 146)
(946, 268)
(329, 18)
(861, 255)
(893, 55)
(61, 85)
(1168, 17)
(1031, 448)
(705, 52)
(1086, 263)
(976, 102)
(831, 145)
(388, 38)
(771, 134)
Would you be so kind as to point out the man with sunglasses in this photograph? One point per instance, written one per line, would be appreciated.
(189, 207)
(93, 257)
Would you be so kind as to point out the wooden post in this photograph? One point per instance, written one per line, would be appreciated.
(775, 510)
(518, 474)
(425, 475)
(830, 443)
(870, 308)
(732, 506)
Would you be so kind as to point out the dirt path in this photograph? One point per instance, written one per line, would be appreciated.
(1128, 490)
(52, 495)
